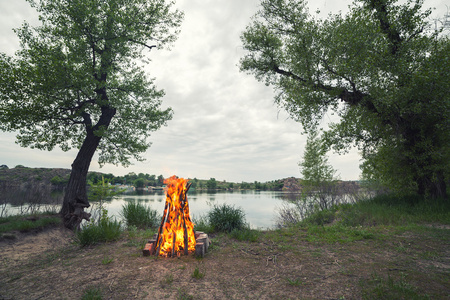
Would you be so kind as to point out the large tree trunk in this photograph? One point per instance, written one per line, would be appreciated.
(435, 186)
(75, 198)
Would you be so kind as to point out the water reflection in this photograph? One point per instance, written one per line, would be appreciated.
(260, 207)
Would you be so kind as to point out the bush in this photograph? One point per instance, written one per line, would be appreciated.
(226, 218)
(106, 230)
(321, 217)
(141, 216)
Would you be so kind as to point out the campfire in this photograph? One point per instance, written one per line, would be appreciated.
(176, 234)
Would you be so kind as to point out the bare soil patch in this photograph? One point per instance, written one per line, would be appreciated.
(281, 265)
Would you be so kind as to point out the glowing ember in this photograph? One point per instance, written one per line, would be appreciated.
(176, 232)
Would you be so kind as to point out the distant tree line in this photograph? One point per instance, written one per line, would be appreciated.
(213, 184)
(142, 180)
(137, 180)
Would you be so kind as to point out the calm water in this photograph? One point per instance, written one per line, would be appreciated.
(260, 207)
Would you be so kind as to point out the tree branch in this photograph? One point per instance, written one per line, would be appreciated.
(382, 15)
(142, 44)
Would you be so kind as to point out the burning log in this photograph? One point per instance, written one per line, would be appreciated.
(176, 232)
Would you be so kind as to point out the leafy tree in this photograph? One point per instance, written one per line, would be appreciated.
(314, 167)
(93, 177)
(245, 185)
(257, 185)
(160, 180)
(194, 183)
(117, 180)
(152, 180)
(318, 183)
(78, 82)
(139, 183)
(381, 69)
(130, 177)
(211, 184)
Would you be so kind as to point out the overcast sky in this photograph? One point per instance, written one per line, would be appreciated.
(225, 123)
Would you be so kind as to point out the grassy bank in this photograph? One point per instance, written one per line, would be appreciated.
(384, 248)
(25, 223)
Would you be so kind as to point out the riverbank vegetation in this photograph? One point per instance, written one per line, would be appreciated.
(391, 103)
(29, 222)
(385, 247)
(55, 179)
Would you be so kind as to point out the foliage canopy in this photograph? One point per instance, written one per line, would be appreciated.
(81, 65)
(380, 68)
(78, 82)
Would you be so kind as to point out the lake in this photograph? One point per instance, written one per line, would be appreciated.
(260, 207)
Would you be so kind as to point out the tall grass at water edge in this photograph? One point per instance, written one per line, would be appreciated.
(106, 229)
(388, 210)
(139, 215)
(28, 222)
(227, 219)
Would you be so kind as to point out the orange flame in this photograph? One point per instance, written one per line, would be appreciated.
(176, 219)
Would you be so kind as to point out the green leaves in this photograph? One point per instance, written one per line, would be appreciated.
(79, 67)
(314, 167)
(377, 67)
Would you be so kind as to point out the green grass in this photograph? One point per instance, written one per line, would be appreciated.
(292, 282)
(106, 230)
(202, 224)
(392, 210)
(28, 222)
(384, 210)
(197, 274)
(107, 260)
(226, 218)
(182, 294)
(245, 234)
(92, 293)
(378, 287)
(339, 234)
(372, 219)
(139, 215)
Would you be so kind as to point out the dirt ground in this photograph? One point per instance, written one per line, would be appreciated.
(281, 265)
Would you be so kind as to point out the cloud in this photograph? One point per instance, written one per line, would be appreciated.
(225, 123)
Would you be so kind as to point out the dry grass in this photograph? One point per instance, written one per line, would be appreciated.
(282, 264)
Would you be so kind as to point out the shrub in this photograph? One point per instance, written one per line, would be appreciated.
(141, 216)
(321, 217)
(226, 218)
(106, 230)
